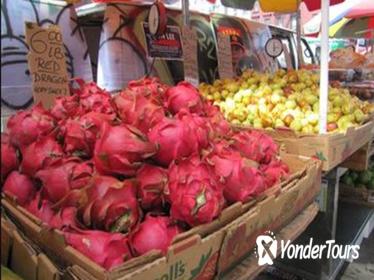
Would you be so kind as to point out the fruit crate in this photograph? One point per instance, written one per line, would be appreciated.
(194, 253)
(360, 196)
(269, 215)
(359, 161)
(332, 149)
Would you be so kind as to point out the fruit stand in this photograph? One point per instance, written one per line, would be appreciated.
(160, 142)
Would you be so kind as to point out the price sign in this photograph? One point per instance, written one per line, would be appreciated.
(189, 41)
(224, 56)
(47, 63)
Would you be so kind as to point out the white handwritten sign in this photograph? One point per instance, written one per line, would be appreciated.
(225, 68)
(189, 41)
(47, 63)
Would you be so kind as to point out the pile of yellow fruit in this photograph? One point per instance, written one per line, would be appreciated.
(284, 99)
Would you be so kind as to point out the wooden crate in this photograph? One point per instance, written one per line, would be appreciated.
(359, 161)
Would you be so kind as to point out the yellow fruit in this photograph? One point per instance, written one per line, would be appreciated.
(296, 125)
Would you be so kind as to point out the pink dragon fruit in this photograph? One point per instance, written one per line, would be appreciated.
(40, 154)
(40, 208)
(155, 233)
(150, 88)
(9, 159)
(121, 150)
(220, 127)
(194, 192)
(106, 249)
(65, 219)
(65, 107)
(60, 179)
(198, 126)
(152, 181)
(175, 140)
(255, 145)
(135, 109)
(275, 172)
(80, 134)
(20, 187)
(93, 98)
(26, 127)
(111, 205)
(184, 95)
(242, 178)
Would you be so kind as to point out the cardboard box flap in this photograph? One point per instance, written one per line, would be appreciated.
(46, 269)
(15, 211)
(181, 246)
(24, 261)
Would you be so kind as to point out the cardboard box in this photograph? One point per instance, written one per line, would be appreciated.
(359, 161)
(269, 215)
(203, 242)
(360, 196)
(249, 268)
(23, 257)
(331, 149)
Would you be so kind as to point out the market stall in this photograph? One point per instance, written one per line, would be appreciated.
(160, 142)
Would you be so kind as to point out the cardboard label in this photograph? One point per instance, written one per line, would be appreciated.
(167, 46)
(190, 64)
(224, 56)
(47, 63)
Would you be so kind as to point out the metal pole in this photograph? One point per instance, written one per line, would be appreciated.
(324, 73)
(186, 12)
(298, 36)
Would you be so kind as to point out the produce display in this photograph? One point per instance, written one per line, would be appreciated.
(348, 58)
(363, 179)
(123, 175)
(285, 99)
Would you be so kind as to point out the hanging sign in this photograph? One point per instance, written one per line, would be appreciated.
(166, 46)
(274, 47)
(47, 63)
(225, 67)
(189, 40)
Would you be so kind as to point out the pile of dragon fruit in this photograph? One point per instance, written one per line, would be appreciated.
(122, 175)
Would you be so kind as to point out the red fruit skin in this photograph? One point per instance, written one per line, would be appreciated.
(155, 233)
(9, 160)
(174, 139)
(194, 192)
(19, 187)
(40, 154)
(275, 172)
(255, 145)
(40, 208)
(26, 127)
(80, 134)
(106, 249)
(65, 107)
(109, 200)
(242, 178)
(64, 219)
(183, 96)
(152, 182)
(63, 177)
(120, 150)
(136, 109)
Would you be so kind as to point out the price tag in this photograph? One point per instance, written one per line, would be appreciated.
(224, 56)
(47, 63)
(189, 41)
